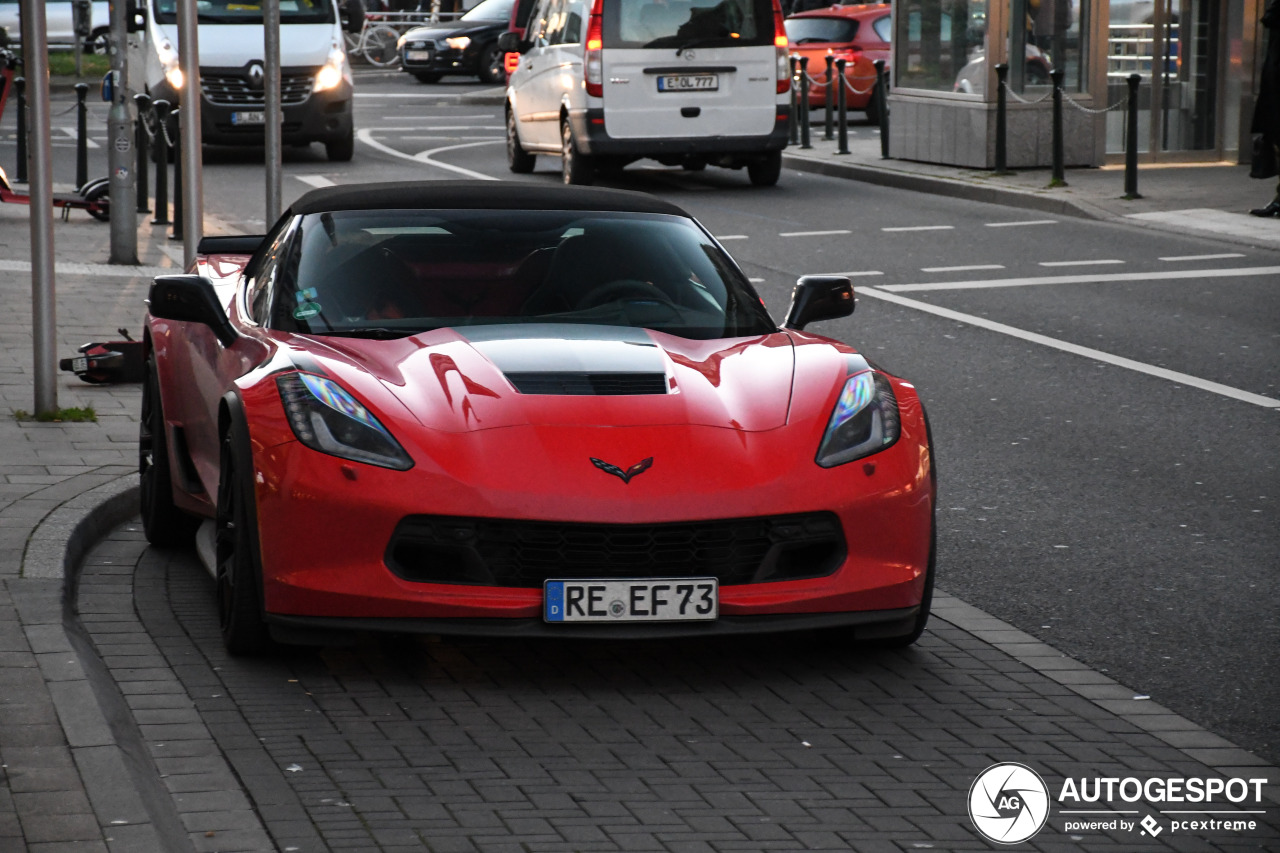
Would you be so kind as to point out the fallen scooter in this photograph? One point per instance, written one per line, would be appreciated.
(104, 362)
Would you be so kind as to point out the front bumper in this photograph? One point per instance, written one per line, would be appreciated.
(319, 117)
(443, 61)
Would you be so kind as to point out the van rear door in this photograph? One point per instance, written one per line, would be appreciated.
(689, 68)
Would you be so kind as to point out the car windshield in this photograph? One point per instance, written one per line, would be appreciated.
(395, 273)
(490, 10)
(248, 11)
(802, 30)
(687, 23)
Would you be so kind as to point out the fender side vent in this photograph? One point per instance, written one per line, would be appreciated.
(589, 384)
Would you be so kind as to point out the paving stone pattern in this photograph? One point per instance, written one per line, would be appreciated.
(399, 744)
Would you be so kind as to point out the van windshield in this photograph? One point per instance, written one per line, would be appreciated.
(685, 24)
(248, 11)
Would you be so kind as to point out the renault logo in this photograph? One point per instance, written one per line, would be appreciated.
(255, 75)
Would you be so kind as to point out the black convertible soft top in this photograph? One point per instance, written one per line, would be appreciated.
(477, 195)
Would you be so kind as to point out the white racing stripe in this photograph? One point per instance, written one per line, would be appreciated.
(1100, 278)
(1086, 352)
(424, 157)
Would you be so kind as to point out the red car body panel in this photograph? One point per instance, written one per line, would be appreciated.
(861, 53)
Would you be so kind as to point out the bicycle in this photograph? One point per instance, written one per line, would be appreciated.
(376, 42)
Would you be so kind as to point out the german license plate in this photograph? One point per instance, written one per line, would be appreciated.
(688, 82)
(254, 117)
(79, 364)
(417, 55)
(657, 600)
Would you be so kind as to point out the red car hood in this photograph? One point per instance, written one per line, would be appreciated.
(462, 380)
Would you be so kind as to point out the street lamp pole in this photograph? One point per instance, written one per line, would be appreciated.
(192, 212)
(273, 113)
(40, 150)
(122, 182)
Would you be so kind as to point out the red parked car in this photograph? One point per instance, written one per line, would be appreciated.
(858, 34)
(502, 408)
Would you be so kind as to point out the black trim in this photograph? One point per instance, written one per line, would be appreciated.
(691, 69)
(234, 244)
(473, 195)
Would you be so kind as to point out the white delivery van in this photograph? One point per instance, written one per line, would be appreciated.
(315, 77)
(601, 83)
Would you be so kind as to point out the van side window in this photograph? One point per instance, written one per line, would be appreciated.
(575, 11)
(555, 23)
(539, 23)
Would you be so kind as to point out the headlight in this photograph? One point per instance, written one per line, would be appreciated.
(865, 420)
(458, 42)
(334, 71)
(325, 417)
(169, 63)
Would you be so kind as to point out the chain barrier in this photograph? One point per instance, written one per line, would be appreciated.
(164, 128)
(813, 81)
(148, 117)
(1040, 100)
(1066, 96)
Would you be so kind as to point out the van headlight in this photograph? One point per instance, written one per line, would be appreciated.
(168, 57)
(865, 420)
(333, 72)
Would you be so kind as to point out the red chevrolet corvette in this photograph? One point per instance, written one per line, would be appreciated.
(511, 409)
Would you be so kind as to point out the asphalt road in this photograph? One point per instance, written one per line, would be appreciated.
(1125, 516)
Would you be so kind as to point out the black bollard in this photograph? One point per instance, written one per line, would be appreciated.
(143, 146)
(804, 102)
(1131, 141)
(1059, 174)
(795, 102)
(830, 97)
(20, 173)
(1002, 123)
(82, 136)
(161, 155)
(175, 136)
(842, 109)
(881, 95)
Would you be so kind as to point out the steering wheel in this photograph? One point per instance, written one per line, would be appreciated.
(625, 290)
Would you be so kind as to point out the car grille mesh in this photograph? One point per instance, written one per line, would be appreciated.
(517, 553)
(229, 90)
(589, 384)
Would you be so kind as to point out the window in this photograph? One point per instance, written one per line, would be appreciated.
(688, 23)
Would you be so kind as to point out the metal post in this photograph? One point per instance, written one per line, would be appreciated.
(882, 102)
(143, 145)
(192, 206)
(1002, 119)
(1059, 173)
(20, 173)
(161, 154)
(842, 109)
(795, 102)
(272, 114)
(122, 170)
(804, 102)
(82, 136)
(1131, 141)
(830, 97)
(176, 120)
(43, 289)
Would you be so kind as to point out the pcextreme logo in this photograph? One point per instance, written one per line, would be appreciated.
(1009, 803)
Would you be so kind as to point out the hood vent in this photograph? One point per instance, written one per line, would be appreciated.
(589, 384)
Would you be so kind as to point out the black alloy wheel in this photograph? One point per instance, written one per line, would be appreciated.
(492, 70)
(164, 524)
(238, 576)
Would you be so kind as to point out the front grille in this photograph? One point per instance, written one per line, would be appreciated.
(589, 384)
(232, 90)
(515, 553)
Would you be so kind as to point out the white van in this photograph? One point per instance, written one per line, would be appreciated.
(315, 77)
(684, 82)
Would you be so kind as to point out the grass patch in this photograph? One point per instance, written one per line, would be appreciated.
(62, 63)
(72, 414)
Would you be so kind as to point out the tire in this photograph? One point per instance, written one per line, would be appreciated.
(922, 618)
(380, 46)
(100, 194)
(238, 575)
(342, 149)
(164, 524)
(575, 168)
(427, 76)
(765, 173)
(99, 42)
(492, 70)
(518, 160)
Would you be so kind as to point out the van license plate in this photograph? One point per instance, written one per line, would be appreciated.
(255, 117)
(657, 600)
(688, 82)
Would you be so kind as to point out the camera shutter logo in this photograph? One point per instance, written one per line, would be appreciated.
(1008, 803)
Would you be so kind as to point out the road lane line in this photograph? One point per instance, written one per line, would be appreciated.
(1098, 278)
(1019, 224)
(1099, 262)
(813, 233)
(317, 181)
(1086, 352)
(424, 157)
(1204, 257)
(734, 237)
(854, 274)
(921, 228)
(969, 268)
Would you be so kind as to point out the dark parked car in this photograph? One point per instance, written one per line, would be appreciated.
(468, 45)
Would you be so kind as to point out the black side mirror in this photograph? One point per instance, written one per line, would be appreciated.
(819, 297)
(135, 17)
(509, 42)
(190, 299)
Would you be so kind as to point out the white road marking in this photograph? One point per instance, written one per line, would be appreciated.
(363, 95)
(317, 181)
(436, 138)
(1019, 224)
(734, 237)
(451, 117)
(1099, 262)
(424, 157)
(814, 233)
(1099, 278)
(855, 273)
(71, 133)
(1204, 257)
(921, 228)
(755, 280)
(963, 269)
(1086, 352)
(106, 270)
(433, 128)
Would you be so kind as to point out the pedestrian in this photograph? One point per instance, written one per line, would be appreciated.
(1266, 112)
